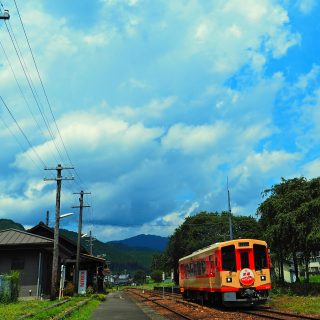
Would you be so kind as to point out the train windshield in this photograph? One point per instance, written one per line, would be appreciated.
(228, 258)
(260, 256)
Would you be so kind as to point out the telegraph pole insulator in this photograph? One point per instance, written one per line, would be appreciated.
(5, 15)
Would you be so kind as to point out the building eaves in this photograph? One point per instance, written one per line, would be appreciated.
(18, 237)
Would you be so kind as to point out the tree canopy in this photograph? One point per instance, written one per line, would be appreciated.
(290, 218)
(205, 229)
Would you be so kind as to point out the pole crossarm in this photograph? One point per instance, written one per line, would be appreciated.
(56, 179)
(59, 167)
(81, 206)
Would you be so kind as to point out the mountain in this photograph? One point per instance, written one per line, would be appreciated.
(9, 224)
(129, 254)
(126, 255)
(145, 241)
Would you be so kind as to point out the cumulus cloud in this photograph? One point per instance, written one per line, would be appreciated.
(156, 107)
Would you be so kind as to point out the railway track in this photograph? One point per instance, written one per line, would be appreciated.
(176, 308)
(265, 313)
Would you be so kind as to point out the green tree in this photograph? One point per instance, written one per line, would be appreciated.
(205, 229)
(158, 262)
(290, 217)
(139, 277)
(156, 276)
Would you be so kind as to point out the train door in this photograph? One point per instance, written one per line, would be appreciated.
(245, 259)
(246, 275)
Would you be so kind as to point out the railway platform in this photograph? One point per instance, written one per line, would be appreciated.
(120, 306)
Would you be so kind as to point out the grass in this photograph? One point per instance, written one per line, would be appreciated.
(301, 305)
(13, 311)
(315, 278)
(85, 312)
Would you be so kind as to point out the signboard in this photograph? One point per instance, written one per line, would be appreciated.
(63, 276)
(246, 277)
(82, 282)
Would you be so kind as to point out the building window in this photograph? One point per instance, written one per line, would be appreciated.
(17, 264)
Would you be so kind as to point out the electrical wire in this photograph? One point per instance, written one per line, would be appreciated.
(22, 132)
(45, 93)
(18, 141)
(23, 95)
(33, 92)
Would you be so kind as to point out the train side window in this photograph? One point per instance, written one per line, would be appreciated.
(203, 265)
(228, 258)
(260, 256)
(211, 259)
(244, 260)
(199, 268)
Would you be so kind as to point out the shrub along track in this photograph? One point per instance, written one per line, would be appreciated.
(173, 308)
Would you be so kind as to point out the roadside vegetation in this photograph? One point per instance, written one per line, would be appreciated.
(73, 308)
(297, 304)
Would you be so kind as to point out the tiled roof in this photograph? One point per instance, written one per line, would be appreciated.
(16, 237)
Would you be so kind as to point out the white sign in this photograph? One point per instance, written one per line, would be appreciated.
(63, 275)
(82, 282)
(163, 276)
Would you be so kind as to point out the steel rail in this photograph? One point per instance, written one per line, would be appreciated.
(183, 316)
(276, 315)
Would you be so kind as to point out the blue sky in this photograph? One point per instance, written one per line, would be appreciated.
(157, 103)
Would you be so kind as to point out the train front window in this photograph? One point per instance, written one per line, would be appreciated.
(228, 258)
(260, 257)
(244, 260)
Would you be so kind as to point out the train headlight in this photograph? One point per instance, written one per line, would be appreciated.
(229, 280)
(263, 278)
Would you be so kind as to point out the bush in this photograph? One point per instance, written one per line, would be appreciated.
(10, 287)
(298, 288)
(89, 290)
(68, 289)
(99, 296)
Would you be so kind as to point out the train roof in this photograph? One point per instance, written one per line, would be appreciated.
(222, 244)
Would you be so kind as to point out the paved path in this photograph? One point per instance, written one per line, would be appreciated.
(120, 306)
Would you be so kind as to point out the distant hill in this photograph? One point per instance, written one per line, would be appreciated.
(145, 241)
(125, 255)
(130, 254)
(9, 224)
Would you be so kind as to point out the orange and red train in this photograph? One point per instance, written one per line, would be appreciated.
(235, 272)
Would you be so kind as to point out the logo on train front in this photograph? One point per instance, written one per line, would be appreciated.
(246, 277)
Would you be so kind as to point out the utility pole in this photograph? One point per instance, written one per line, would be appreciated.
(47, 218)
(90, 241)
(55, 255)
(76, 278)
(229, 205)
(5, 15)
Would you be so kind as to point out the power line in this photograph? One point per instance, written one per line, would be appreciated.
(22, 132)
(23, 95)
(44, 91)
(33, 92)
(18, 141)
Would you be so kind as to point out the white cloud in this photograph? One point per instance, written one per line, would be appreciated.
(311, 169)
(194, 139)
(306, 6)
